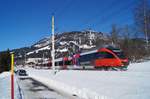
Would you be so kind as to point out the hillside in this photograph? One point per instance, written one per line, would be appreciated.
(66, 44)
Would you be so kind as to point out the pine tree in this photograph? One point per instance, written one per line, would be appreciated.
(5, 61)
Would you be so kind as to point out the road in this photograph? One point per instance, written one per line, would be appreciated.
(32, 89)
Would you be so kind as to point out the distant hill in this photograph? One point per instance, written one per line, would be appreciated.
(66, 44)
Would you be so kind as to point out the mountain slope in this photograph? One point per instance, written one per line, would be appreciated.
(66, 44)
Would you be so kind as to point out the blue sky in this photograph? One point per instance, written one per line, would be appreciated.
(23, 22)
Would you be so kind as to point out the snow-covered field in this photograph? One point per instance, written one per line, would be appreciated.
(131, 84)
(5, 90)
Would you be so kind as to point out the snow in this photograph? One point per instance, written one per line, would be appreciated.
(34, 60)
(131, 84)
(30, 53)
(62, 43)
(140, 67)
(85, 46)
(43, 48)
(43, 42)
(62, 50)
(40, 49)
(59, 59)
(74, 42)
(5, 90)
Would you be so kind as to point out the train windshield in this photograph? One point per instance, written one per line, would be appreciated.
(105, 55)
(120, 54)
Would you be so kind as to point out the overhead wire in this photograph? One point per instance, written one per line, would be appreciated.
(59, 12)
(118, 13)
(103, 17)
(100, 18)
(107, 8)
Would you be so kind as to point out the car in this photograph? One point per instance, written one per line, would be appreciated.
(22, 72)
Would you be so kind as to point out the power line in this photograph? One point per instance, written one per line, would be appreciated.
(63, 9)
(59, 12)
(103, 12)
(98, 15)
(106, 19)
(116, 13)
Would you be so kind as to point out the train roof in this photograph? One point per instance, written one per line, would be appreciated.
(114, 49)
(90, 52)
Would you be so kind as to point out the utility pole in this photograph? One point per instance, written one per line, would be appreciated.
(80, 40)
(53, 46)
(145, 24)
(25, 60)
(43, 59)
(90, 37)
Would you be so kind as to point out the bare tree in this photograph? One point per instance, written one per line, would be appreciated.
(131, 44)
(114, 34)
(142, 18)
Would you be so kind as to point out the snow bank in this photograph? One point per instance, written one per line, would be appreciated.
(5, 90)
(140, 67)
(131, 84)
(48, 78)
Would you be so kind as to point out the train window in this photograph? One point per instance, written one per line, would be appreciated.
(97, 55)
(106, 55)
(84, 58)
(88, 57)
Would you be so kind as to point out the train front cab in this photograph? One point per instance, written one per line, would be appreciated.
(109, 59)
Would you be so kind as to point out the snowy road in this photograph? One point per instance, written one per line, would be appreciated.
(32, 89)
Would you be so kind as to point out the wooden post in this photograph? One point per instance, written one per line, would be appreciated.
(12, 76)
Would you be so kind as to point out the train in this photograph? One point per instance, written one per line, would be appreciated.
(107, 58)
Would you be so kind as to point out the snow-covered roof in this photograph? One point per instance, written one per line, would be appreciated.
(59, 59)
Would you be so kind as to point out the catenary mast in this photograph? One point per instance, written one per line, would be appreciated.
(53, 45)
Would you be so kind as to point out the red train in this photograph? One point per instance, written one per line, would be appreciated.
(103, 58)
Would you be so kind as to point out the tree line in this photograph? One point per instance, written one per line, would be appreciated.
(134, 39)
(5, 61)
